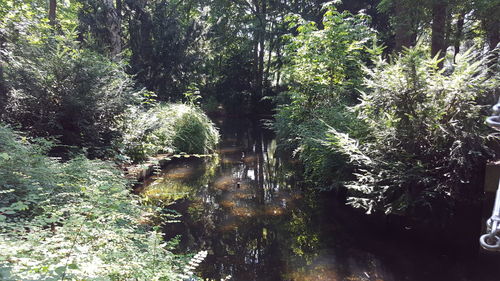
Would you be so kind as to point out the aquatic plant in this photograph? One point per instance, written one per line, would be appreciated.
(180, 182)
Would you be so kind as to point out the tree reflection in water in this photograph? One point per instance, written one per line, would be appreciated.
(240, 207)
(250, 211)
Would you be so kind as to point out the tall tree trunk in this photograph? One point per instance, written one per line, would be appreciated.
(278, 64)
(458, 33)
(140, 27)
(3, 92)
(493, 36)
(3, 86)
(256, 52)
(405, 35)
(270, 53)
(439, 15)
(119, 8)
(113, 25)
(255, 64)
(52, 12)
(262, 39)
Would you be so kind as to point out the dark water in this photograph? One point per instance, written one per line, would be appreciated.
(254, 215)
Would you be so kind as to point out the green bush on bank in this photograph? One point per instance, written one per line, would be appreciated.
(73, 221)
(403, 136)
(57, 89)
(323, 70)
(426, 143)
(85, 101)
(167, 128)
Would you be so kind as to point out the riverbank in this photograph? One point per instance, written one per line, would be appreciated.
(74, 220)
(77, 219)
(138, 173)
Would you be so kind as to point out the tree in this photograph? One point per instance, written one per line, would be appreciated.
(323, 73)
(113, 26)
(426, 146)
(407, 19)
(74, 95)
(101, 22)
(3, 87)
(52, 12)
(438, 34)
(165, 44)
(488, 13)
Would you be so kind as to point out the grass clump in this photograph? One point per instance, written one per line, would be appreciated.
(74, 220)
(167, 128)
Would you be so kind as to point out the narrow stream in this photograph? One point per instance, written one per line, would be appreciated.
(251, 211)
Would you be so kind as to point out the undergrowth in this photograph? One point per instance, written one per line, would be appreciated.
(426, 143)
(167, 128)
(74, 220)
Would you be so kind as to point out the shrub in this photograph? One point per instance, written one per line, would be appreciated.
(74, 220)
(167, 128)
(57, 89)
(425, 148)
(323, 70)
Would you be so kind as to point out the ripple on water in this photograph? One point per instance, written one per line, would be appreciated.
(241, 195)
(228, 227)
(231, 159)
(227, 203)
(274, 210)
(317, 273)
(250, 159)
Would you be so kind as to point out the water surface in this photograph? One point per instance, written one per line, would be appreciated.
(250, 209)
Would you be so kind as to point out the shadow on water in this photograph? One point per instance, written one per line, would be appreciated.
(249, 209)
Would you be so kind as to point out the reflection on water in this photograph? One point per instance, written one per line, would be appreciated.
(249, 210)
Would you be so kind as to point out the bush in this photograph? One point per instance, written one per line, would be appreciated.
(56, 89)
(425, 148)
(323, 71)
(167, 128)
(74, 220)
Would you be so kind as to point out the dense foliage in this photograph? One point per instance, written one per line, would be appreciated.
(426, 142)
(74, 220)
(399, 128)
(167, 128)
(323, 70)
(83, 99)
(404, 135)
(77, 219)
(58, 89)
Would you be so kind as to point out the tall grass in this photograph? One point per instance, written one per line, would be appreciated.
(167, 128)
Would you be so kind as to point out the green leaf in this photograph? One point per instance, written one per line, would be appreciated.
(60, 270)
(72, 266)
(5, 156)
